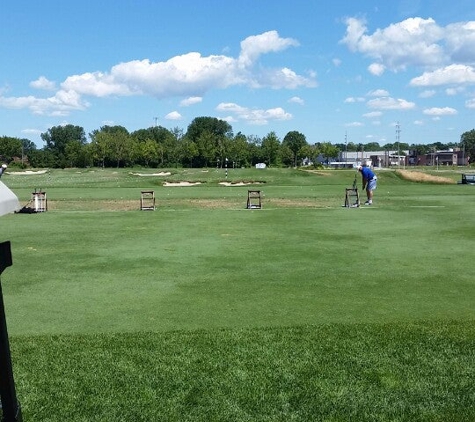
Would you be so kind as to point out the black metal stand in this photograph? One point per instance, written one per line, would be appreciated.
(11, 409)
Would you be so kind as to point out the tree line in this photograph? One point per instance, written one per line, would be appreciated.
(207, 142)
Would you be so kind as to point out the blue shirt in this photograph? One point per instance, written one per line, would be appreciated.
(367, 173)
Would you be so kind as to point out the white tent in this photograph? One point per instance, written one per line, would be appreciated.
(8, 200)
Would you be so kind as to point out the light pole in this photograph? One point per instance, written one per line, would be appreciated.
(226, 168)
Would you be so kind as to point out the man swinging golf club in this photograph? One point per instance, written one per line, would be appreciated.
(369, 182)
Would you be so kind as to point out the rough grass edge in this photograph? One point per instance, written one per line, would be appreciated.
(417, 176)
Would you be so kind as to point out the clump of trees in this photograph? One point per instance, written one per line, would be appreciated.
(207, 142)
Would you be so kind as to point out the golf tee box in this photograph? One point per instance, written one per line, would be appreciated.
(352, 198)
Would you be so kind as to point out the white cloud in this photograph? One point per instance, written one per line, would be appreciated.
(354, 124)
(256, 45)
(454, 91)
(297, 100)
(470, 103)
(189, 75)
(373, 114)
(378, 93)
(437, 111)
(351, 100)
(61, 104)
(427, 93)
(452, 74)
(388, 103)
(43, 83)
(418, 122)
(412, 42)
(254, 116)
(336, 62)
(190, 101)
(174, 115)
(376, 69)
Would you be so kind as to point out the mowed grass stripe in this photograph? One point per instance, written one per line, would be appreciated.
(361, 372)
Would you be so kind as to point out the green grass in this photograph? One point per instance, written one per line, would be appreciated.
(203, 310)
(367, 372)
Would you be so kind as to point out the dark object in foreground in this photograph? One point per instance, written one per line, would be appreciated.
(10, 406)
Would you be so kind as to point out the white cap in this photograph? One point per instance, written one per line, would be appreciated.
(4, 166)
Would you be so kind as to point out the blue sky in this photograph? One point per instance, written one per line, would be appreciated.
(330, 70)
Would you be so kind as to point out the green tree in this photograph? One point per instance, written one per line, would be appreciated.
(121, 147)
(467, 143)
(76, 154)
(58, 137)
(270, 148)
(239, 150)
(189, 150)
(328, 150)
(15, 149)
(101, 146)
(210, 135)
(295, 141)
(372, 146)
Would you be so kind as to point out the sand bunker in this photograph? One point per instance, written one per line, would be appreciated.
(163, 173)
(181, 183)
(26, 173)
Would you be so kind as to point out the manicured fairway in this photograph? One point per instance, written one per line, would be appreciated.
(95, 270)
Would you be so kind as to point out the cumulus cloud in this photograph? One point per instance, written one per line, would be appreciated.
(373, 114)
(174, 115)
(413, 42)
(43, 83)
(351, 100)
(388, 103)
(61, 104)
(448, 75)
(446, 54)
(376, 69)
(438, 111)
(378, 93)
(427, 93)
(254, 116)
(297, 100)
(256, 45)
(354, 124)
(470, 103)
(190, 101)
(189, 75)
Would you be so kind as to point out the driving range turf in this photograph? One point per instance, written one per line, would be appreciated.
(205, 311)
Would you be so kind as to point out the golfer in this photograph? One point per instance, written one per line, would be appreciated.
(369, 182)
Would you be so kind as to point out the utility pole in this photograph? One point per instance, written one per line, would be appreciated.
(346, 147)
(155, 119)
(398, 134)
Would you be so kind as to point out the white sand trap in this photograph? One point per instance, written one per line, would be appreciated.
(26, 173)
(181, 183)
(234, 184)
(163, 173)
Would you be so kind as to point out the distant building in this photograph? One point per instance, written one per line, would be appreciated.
(374, 158)
(451, 157)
